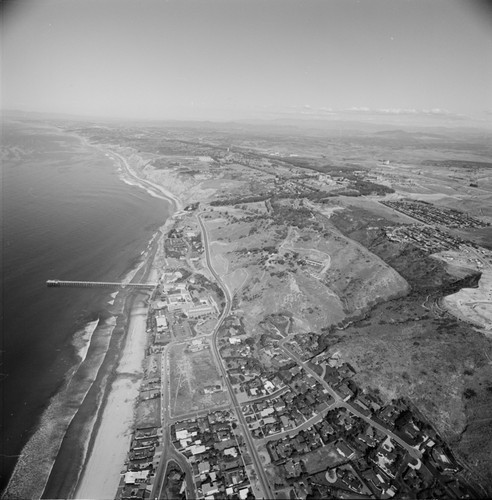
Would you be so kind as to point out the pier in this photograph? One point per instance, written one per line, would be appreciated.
(97, 284)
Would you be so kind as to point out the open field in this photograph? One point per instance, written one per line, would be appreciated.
(323, 458)
(190, 374)
(148, 413)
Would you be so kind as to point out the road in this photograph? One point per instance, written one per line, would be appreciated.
(260, 471)
(306, 425)
(169, 452)
(267, 397)
(339, 401)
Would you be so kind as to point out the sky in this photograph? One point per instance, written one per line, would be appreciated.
(223, 59)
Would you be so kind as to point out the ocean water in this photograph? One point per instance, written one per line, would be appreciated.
(66, 214)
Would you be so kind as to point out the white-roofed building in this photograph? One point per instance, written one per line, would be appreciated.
(243, 494)
(161, 322)
(134, 477)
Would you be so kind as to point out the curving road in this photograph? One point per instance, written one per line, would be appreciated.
(260, 471)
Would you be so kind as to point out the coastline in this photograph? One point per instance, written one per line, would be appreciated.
(111, 433)
(63, 469)
(78, 442)
(91, 353)
(150, 186)
(109, 441)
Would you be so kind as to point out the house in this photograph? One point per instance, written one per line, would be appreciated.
(286, 423)
(375, 479)
(232, 451)
(243, 494)
(389, 415)
(345, 392)
(292, 468)
(279, 406)
(344, 450)
(197, 449)
(182, 434)
(411, 430)
(136, 477)
(368, 401)
(203, 467)
(346, 371)
(267, 411)
(210, 489)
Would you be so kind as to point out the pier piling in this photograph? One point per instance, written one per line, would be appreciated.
(97, 284)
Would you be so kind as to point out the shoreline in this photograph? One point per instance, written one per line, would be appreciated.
(109, 440)
(108, 150)
(76, 366)
(176, 203)
(111, 435)
(82, 430)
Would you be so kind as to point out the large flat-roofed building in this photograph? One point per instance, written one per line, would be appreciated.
(201, 310)
(161, 322)
(314, 263)
(135, 477)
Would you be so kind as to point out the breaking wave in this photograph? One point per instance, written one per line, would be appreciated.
(36, 460)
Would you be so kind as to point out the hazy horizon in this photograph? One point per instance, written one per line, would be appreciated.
(384, 60)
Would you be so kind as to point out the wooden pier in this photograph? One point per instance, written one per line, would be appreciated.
(97, 284)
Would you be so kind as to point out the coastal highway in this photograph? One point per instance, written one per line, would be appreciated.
(260, 471)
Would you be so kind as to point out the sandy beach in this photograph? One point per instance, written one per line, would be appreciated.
(102, 470)
(151, 186)
(101, 474)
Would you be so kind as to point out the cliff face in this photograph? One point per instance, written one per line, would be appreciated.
(473, 304)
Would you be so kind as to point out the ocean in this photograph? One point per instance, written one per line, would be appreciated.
(66, 214)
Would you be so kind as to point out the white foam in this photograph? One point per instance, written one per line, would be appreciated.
(38, 456)
(113, 296)
(82, 339)
(152, 192)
